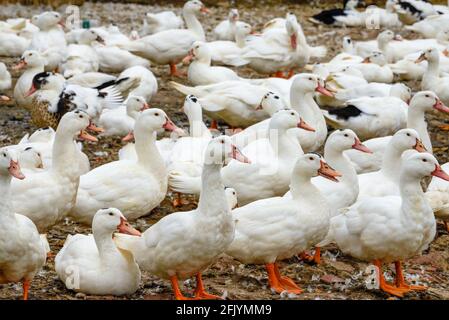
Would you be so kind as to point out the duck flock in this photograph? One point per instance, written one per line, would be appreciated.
(370, 199)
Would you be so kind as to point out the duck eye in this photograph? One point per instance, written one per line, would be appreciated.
(408, 134)
(81, 116)
(156, 114)
(222, 141)
(233, 192)
(427, 96)
(292, 113)
(346, 135)
(4, 155)
(424, 160)
(310, 79)
(311, 158)
(276, 97)
(111, 213)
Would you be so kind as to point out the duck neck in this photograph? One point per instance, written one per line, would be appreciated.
(391, 163)
(416, 120)
(132, 113)
(302, 188)
(65, 151)
(147, 153)
(432, 74)
(197, 127)
(212, 198)
(413, 199)
(105, 244)
(240, 39)
(6, 210)
(193, 24)
(303, 103)
(284, 146)
(339, 162)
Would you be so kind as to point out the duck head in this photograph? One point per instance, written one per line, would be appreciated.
(376, 57)
(286, 119)
(75, 123)
(221, 150)
(47, 20)
(233, 15)
(200, 52)
(231, 197)
(426, 101)
(195, 7)
(89, 36)
(110, 220)
(9, 165)
(311, 165)
(430, 54)
(401, 91)
(154, 119)
(270, 103)
(29, 59)
(420, 165)
(310, 83)
(46, 81)
(30, 158)
(407, 139)
(292, 27)
(341, 140)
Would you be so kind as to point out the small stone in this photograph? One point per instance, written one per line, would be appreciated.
(330, 279)
(341, 266)
(80, 296)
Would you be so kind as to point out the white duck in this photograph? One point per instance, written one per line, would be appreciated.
(13, 45)
(120, 121)
(230, 52)
(374, 89)
(195, 238)
(102, 268)
(50, 39)
(137, 81)
(375, 68)
(370, 117)
(234, 102)
(430, 26)
(438, 196)
(348, 16)
(34, 64)
(30, 159)
(5, 82)
(421, 103)
(226, 30)
(200, 71)
(46, 197)
(272, 157)
(170, 46)
(40, 140)
(391, 228)
(386, 181)
(273, 229)
(161, 21)
(81, 58)
(134, 187)
(22, 250)
(431, 79)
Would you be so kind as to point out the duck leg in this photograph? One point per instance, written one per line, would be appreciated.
(213, 125)
(446, 225)
(316, 258)
(278, 283)
(200, 292)
(290, 74)
(287, 282)
(278, 74)
(400, 280)
(177, 292)
(26, 288)
(444, 127)
(384, 285)
(174, 70)
(179, 201)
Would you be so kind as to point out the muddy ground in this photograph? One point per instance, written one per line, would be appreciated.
(337, 277)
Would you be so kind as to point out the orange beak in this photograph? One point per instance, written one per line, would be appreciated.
(360, 146)
(145, 106)
(204, 9)
(4, 98)
(30, 91)
(169, 125)
(20, 65)
(94, 128)
(419, 146)
(421, 58)
(187, 59)
(366, 60)
(328, 172)
(439, 172)
(128, 137)
(126, 228)
(446, 52)
(303, 125)
(86, 137)
(293, 41)
(61, 23)
(238, 155)
(14, 170)
(439, 105)
(323, 91)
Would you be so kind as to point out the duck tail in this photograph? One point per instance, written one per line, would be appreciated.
(112, 97)
(185, 89)
(184, 184)
(331, 120)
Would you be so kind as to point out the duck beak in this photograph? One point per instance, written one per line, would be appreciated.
(86, 137)
(20, 65)
(100, 40)
(238, 155)
(204, 9)
(61, 23)
(398, 38)
(126, 228)
(128, 137)
(293, 41)
(188, 58)
(14, 170)
(439, 105)
(439, 172)
(421, 58)
(419, 146)
(323, 91)
(145, 106)
(30, 91)
(366, 60)
(446, 52)
(169, 125)
(94, 128)
(4, 98)
(360, 146)
(328, 172)
(303, 125)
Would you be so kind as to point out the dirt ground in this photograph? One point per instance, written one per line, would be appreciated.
(337, 277)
